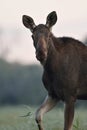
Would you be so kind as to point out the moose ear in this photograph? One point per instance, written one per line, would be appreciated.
(28, 22)
(51, 19)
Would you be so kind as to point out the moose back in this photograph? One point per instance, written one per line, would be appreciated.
(64, 61)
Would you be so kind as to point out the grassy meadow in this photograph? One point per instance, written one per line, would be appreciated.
(14, 118)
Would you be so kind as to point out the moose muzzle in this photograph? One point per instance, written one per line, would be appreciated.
(41, 50)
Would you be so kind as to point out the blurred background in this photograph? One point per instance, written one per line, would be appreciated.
(20, 72)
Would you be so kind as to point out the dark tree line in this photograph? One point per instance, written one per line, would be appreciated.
(20, 84)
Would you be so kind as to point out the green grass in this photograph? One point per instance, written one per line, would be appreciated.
(13, 118)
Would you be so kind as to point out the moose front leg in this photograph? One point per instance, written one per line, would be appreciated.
(69, 114)
(47, 105)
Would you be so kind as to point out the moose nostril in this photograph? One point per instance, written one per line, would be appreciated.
(38, 57)
(41, 55)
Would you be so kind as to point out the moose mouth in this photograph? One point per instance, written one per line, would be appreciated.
(41, 57)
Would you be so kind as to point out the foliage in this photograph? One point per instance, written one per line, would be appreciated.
(20, 84)
(12, 118)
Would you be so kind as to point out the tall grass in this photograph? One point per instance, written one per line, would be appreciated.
(22, 118)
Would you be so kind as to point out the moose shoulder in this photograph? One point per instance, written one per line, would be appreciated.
(64, 62)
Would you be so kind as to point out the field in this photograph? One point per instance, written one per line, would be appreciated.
(14, 118)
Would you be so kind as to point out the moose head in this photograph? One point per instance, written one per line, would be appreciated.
(41, 34)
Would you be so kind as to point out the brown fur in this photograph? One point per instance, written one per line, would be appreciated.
(67, 69)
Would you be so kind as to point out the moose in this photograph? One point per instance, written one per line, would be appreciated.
(64, 61)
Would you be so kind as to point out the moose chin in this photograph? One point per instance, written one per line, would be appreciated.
(64, 62)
